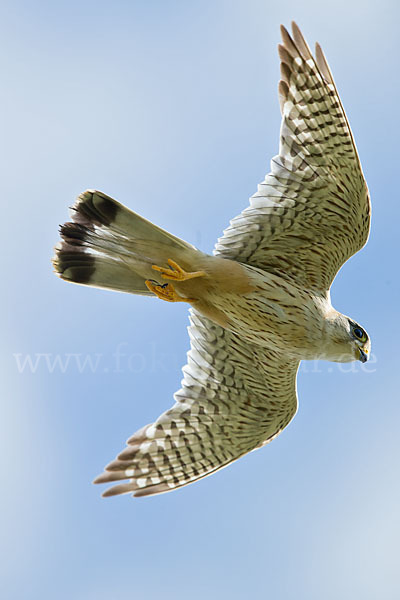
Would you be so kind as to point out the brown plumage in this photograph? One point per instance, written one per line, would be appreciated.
(260, 304)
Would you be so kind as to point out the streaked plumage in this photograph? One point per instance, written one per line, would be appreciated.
(260, 304)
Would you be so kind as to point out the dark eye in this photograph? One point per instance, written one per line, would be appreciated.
(359, 333)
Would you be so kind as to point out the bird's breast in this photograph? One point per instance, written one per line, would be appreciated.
(276, 314)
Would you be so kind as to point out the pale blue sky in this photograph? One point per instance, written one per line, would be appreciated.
(171, 107)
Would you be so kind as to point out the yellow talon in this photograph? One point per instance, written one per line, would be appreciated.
(166, 292)
(176, 272)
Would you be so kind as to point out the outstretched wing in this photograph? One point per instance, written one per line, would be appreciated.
(312, 212)
(234, 398)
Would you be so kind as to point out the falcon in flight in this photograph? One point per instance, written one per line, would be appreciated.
(260, 304)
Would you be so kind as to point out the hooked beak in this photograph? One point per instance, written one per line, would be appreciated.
(363, 356)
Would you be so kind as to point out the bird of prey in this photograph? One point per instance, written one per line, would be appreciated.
(260, 304)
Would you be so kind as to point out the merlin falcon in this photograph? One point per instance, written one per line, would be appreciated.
(260, 304)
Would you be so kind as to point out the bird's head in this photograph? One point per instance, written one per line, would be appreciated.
(360, 342)
(349, 341)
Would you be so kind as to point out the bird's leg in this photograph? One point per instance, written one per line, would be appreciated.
(176, 272)
(166, 292)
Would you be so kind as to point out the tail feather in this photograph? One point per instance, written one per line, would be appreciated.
(109, 246)
(95, 208)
